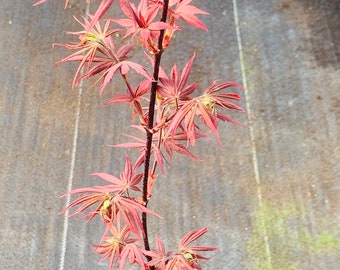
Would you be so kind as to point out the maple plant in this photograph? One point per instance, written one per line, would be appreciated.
(167, 112)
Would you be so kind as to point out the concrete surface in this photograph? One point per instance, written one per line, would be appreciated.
(269, 195)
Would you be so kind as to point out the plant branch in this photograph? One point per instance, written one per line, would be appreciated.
(149, 134)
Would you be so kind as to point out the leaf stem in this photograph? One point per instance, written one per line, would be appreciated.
(149, 134)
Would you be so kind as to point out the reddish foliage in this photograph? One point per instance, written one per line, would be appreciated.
(168, 121)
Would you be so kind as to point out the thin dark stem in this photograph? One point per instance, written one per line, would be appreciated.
(149, 134)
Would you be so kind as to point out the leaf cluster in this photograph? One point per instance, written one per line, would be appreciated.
(167, 114)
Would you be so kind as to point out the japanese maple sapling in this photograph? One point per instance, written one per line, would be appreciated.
(168, 118)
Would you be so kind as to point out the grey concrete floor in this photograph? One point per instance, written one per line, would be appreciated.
(269, 195)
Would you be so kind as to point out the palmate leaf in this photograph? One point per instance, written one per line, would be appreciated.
(96, 196)
(187, 114)
(108, 206)
(124, 68)
(180, 149)
(113, 242)
(173, 143)
(185, 246)
(130, 211)
(178, 262)
(206, 107)
(187, 13)
(159, 256)
(133, 253)
(170, 144)
(159, 157)
(139, 22)
(176, 89)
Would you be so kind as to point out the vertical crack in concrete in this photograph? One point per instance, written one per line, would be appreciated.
(251, 129)
(72, 167)
(70, 179)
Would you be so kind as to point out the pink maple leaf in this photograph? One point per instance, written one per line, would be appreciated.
(114, 61)
(206, 108)
(112, 245)
(111, 200)
(133, 94)
(140, 21)
(159, 256)
(134, 254)
(140, 143)
(188, 13)
(188, 256)
(128, 179)
(92, 40)
(175, 89)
